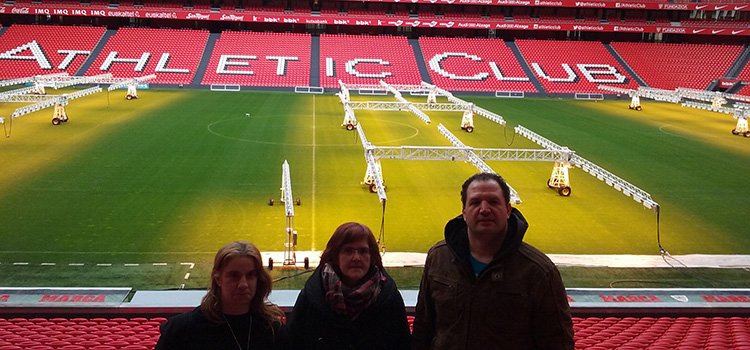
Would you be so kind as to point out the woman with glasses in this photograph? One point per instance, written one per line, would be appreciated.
(350, 302)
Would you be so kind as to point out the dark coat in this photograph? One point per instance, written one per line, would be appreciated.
(517, 302)
(192, 331)
(382, 325)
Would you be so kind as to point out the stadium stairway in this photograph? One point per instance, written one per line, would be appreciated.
(526, 69)
(739, 63)
(315, 60)
(624, 64)
(205, 57)
(2, 30)
(423, 72)
(96, 51)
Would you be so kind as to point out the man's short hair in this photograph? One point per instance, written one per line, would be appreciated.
(485, 177)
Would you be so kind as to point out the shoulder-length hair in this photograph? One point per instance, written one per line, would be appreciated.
(347, 233)
(259, 305)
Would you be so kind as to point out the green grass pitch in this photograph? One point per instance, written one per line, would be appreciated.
(172, 176)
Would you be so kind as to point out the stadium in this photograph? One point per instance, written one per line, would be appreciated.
(140, 136)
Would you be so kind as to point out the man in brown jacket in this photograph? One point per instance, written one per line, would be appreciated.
(483, 287)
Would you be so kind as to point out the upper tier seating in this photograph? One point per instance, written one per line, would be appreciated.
(236, 54)
(367, 60)
(715, 23)
(473, 65)
(27, 50)
(574, 66)
(669, 66)
(172, 54)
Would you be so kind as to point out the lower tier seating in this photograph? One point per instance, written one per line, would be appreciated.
(473, 65)
(139, 333)
(260, 59)
(669, 66)
(366, 60)
(574, 66)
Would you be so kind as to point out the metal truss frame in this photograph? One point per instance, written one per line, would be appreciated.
(477, 156)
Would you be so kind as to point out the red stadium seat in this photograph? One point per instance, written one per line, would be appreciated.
(49, 39)
(183, 48)
(669, 66)
(366, 60)
(230, 63)
(574, 66)
(473, 64)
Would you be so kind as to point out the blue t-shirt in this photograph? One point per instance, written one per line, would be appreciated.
(476, 265)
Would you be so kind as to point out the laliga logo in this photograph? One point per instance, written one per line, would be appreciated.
(432, 24)
(397, 23)
(413, 24)
(447, 25)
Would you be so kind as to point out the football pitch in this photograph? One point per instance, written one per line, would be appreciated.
(165, 180)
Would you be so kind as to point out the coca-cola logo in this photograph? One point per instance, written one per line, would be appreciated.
(22, 10)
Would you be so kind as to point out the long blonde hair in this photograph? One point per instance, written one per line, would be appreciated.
(259, 305)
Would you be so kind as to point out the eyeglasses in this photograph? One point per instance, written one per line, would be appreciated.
(350, 251)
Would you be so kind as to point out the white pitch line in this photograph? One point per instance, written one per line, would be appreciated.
(103, 264)
(20, 263)
(131, 264)
(187, 275)
(192, 265)
(75, 264)
(159, 264)
(48, 264)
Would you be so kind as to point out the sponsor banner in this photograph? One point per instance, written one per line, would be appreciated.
(634, 4)
(663, 297)
(727, 83)
(382, 21)
(139, 86)
(57, 297)
(39, 9)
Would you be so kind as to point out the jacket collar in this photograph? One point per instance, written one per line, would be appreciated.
(457, 237)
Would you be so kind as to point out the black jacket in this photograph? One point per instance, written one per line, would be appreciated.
(314, 324)
(192, 331)
(517, 302)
